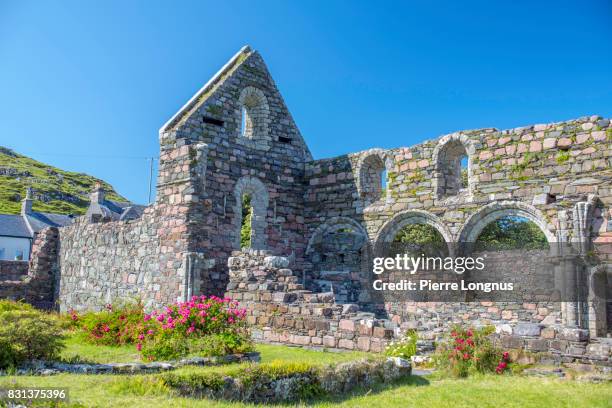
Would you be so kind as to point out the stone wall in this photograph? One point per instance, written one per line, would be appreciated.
(39, 285)
(13, 270)
(280, 311)
(556, 175)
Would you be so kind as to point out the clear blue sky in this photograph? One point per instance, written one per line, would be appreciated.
(86, 85)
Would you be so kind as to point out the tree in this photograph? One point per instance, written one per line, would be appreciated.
(420, 238)
(511, 233)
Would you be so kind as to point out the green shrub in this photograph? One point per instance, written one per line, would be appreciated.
(26, 335)
(468, 350)
(222, 344)
(10, 305)
(405, 347)
(117, 324)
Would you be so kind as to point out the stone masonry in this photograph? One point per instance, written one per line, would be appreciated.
(316, 223)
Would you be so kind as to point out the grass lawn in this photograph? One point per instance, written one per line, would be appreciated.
(484, 391)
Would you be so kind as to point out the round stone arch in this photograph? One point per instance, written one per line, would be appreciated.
(391, 228)
(332, 225)
(369, 166)
(480, 219)
(444, 153)
(259, 201)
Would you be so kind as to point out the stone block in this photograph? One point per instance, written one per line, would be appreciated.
(382, 333)
(527, 329)
(537, 345)
(363, 343)
(329, 341)
(347, 325)
(512, 342)
(346, 344)
(573, 334)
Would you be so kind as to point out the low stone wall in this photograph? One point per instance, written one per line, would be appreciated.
(267, 383)
(13, 270)
(39, 285)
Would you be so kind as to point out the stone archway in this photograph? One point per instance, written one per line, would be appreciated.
(491, 212)
(259, 201)
(392, 227)
(335, 255)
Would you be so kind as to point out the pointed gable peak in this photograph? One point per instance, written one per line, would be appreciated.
(200, 96)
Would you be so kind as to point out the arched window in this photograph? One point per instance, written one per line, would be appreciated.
(245, 224)
(254, 113)
(250, 213)
(452, 167)
(243, 122)
(372, 179)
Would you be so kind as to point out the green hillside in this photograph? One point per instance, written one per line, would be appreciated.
(55, 190)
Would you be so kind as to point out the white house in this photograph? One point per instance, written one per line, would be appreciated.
(17, 231)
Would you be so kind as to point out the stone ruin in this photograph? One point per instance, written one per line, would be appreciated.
(302, 279)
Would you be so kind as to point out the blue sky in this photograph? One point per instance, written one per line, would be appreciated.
(86, 85)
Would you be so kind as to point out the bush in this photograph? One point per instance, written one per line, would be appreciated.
(116, 325)
(404, 348)
(27, 334)
(10, 305)
(468, 350)
(205, 326)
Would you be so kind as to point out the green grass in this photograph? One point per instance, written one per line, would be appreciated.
(76, 349)
(66, 192)
(484, 391)
(480, 391)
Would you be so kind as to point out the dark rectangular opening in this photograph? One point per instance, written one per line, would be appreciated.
(212, 121)
(284, 139)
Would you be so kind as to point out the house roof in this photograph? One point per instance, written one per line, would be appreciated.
(14, 226)
(38, 220)
(116, 210)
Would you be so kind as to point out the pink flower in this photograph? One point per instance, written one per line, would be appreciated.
(106, 328)
(147, 317)
(191, 329)
(139, 346)
(150, 332)
(160, 318)
(506, 355)
(141, 337)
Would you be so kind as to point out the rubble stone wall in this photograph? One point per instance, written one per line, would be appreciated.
(39, 285)
(13, 270)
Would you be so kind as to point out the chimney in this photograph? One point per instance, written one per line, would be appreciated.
(97, 195)
(26, 204)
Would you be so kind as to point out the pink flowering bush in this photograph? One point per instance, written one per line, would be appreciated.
(115, 325)
(204, 326)
(469, 350)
